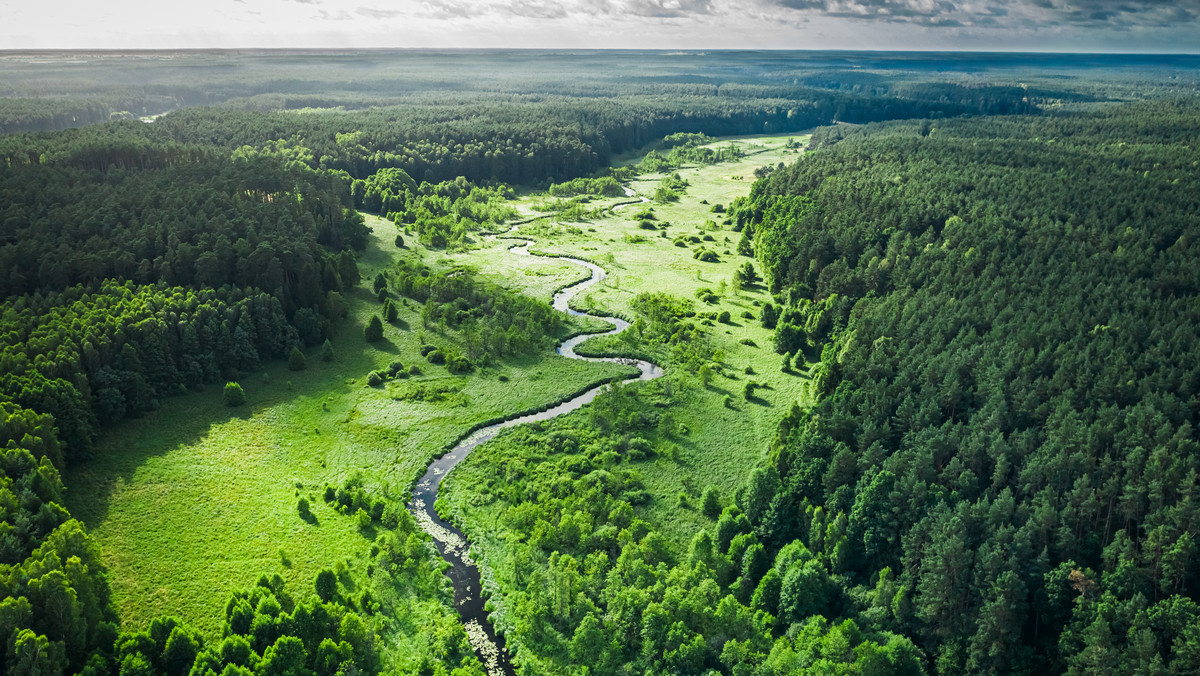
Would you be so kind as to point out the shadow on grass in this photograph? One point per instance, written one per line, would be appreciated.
(387, 345)
(187, 420)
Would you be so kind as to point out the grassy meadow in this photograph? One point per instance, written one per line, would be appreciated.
(198, 500)
(723, 443)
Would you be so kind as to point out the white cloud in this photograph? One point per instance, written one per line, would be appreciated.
(1087, 25)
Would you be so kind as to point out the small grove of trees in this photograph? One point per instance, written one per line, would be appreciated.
(493, 322)
(594, 576)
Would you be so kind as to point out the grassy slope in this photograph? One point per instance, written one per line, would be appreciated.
(723, 443)
(197, 500)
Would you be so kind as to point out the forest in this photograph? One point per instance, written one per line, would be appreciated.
(985, 281)
(1002, 461)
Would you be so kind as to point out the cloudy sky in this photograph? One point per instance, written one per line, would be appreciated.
(1025, 25)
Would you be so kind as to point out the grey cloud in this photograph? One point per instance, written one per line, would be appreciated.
(1117, 13)
(666, 8)
(536, 9)
(1089, 13)
(375, 13)
(560, 9)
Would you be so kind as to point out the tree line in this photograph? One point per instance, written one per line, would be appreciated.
(1001, 464)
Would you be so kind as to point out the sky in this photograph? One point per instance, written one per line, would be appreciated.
(1170, 26)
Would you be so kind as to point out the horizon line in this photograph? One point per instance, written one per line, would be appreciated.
(315, 50)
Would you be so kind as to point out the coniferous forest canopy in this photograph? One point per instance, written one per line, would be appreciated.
(984, 263)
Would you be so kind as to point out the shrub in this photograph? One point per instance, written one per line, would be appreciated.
(327, 351)
(374, 379)
(436, 357)
(374, 330)
(296, 360)
(748, 342)
(381, 295)
(399, 242)
(233, 395)
(304, 509)
(711, 503)
(723, 317)
(390, 312)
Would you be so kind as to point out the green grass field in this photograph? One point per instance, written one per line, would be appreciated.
(723, 443)
(198, 500)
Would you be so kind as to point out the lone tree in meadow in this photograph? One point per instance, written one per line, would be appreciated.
(748, 275)
(390, 312)
(374, 330)
(233, 395)
(327, 351)
(296, 360)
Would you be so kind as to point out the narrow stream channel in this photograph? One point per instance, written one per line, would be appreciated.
(451, 543)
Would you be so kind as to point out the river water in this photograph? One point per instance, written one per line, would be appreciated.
(451, 543)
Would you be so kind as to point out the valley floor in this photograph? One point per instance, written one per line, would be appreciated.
(198, 500)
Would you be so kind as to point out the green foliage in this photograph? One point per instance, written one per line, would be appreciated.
(296, 360)
(93, 356)
(443, 214)
(588, 568)
(304, 509)
(493, 321)
(711, 503)
(948, 443)
(373, 332)
(56, 613)
(233, 395)
(605, 186)
(327, 351)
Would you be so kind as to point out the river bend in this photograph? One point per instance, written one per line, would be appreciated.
(451, 542)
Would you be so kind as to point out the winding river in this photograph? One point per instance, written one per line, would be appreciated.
(451, 542)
